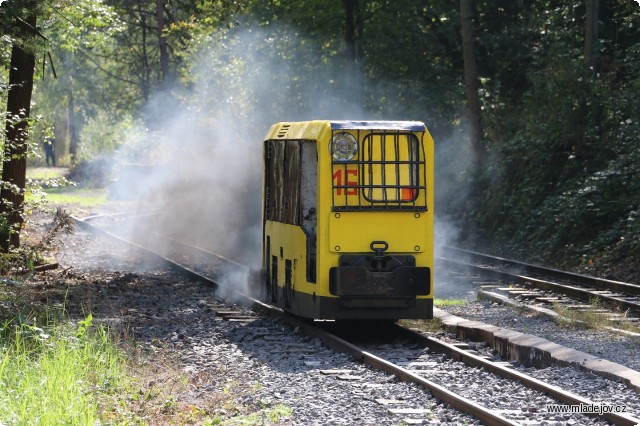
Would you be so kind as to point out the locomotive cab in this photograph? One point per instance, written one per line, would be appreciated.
(348, 219)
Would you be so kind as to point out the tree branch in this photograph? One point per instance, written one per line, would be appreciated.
(112, 75)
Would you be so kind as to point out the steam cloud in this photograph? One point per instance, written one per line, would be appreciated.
(202, 165)
(453, 160)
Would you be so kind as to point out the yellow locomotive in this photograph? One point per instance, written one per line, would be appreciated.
(348, 219)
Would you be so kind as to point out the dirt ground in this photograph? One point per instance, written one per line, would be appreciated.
(141, 302)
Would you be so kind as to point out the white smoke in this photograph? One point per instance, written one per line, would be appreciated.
(201, 166)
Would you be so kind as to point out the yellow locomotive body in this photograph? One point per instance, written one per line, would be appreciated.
(348, 219)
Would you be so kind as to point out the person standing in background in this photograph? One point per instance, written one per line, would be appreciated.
(49, 150)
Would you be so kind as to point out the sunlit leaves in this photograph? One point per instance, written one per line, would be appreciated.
(84, 24)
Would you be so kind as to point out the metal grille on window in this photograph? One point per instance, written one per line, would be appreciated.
(387, 173)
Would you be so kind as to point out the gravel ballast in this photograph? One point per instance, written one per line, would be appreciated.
(233, 372)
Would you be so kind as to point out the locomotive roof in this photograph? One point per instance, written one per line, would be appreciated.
(378, 125)
(313, 129)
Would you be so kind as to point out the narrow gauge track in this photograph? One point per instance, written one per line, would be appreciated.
(624, 296)
(407, 362)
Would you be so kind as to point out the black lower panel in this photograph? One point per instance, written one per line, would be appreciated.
(360, 281)
(352, 308)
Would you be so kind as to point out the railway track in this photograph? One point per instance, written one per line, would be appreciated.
(548, 286)
(417, 359)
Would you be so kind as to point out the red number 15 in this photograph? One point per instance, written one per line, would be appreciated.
(337, 178)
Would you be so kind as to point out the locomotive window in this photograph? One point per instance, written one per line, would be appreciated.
(390, 165)
(282, 192)
(388, 172)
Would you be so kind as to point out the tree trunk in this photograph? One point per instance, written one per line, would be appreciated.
(591, 39)
(162, 44)
(61, 133)
(351, 32)
(588, 113)
(471, 80)
(146, 79)
(74, 138)
(14, 167)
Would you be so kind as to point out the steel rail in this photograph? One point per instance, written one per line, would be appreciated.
(553, 391)
(117, 215)
(173, 264)
(191, 247)
(585, 280)
(485, 415)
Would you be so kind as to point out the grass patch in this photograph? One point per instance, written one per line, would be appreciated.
(450, 302)
(428, 326)
(582, 319)
(46, 173)
(71, 195)
(265, 416)
(83, 197)
(57, 374)
(595, 317)
(49, 185)
(433, 325)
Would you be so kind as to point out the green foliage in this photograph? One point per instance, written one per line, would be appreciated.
(14, 29)
(419, 81)
(25, 144)
(84, 325)
(55, 374)
(564, 184)
(35, 129)
(103, 134)
(84, 24)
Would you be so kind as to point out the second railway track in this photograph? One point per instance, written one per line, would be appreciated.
(623, 296)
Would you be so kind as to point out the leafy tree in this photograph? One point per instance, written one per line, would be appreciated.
(19, 20)
(81, 41)
(562, 178)
(407, 54)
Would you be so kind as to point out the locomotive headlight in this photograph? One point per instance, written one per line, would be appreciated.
(343, 146)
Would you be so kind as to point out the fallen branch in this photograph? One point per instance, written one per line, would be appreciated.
(47, 267)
